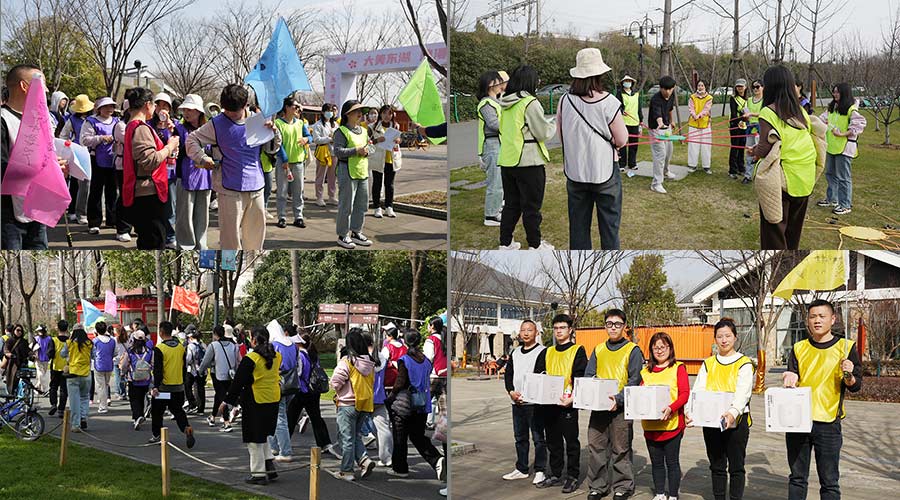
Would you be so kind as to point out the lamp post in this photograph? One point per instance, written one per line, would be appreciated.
(645, 28)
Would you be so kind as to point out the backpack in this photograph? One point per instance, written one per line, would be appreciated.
(201, 353)
(141, 369)
(418, 401)
(318, 379)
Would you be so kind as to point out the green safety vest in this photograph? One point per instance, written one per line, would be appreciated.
(632, 104)
(754, 107)
(741, 102)
(798, 153)
(359, 165)
(487, 101)
(512, 130)
(837, 144)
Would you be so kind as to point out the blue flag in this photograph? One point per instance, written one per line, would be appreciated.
(90, 313)
(279, 71)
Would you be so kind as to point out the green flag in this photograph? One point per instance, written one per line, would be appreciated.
(421, 100)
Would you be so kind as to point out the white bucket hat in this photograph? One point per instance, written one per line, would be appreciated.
(588, 63)
(162, 96)
(104, 101)
(192, 101)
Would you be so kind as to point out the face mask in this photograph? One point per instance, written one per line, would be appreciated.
(329, 115)
(626, 85)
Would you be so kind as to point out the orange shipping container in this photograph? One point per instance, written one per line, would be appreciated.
(693, 343)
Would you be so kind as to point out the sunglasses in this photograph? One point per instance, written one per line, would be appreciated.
(756, 86)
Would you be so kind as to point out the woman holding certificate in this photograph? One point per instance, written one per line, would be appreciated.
(727, 371)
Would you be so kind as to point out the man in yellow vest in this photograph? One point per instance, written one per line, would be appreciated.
(565, 359)
(169, 374)
(609, 434)
(829, 365)
(634, 116)
(59, 392)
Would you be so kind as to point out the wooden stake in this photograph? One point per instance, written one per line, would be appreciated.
(164, 459)
(64, 440)
(315, 457)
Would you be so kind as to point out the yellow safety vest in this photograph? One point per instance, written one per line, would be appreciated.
(754, 107)
(837, 144)
(290, 134)
(173, 363)
(613, 365)
(723, 378)
(266, 381)
(699, 103)
(559, 364)
(359, 165)
(487, 101)
(741, 104)
(632, 103)
(820, 370)
(669, 377)
(58, 362)
(363, 388)
(79, 358)
(512, 135)
(798, 153)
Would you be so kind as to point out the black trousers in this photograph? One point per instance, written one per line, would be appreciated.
(148, 215)
(137, 394)
(195, 391)
(729, 449)
(59, 391)
(102, 194)
(174, 405)
(122, 226)
(523, 196)
(411, 428)
(221, 389)
(825, 440)
(786, 234)
(628, 152)
(561, 429)
(386, 178)
(665, 465)
(736, 156)
(310, 402)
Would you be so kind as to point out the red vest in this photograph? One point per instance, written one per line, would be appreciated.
(440, 357)
(160, 175)
(390, 371)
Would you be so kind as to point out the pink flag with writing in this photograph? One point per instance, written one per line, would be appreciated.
(33, 173)
(111, 306)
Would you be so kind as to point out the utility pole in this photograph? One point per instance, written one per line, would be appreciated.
(523, 6)
(160, 301)
(665, 58)
(295, 288)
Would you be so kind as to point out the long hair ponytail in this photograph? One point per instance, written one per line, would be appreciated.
(263, 347)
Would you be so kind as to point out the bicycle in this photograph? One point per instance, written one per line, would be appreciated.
(20, 413)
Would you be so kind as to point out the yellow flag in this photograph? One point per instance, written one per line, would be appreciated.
(820, 270)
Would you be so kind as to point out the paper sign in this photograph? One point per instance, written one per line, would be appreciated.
(707, 407)
(256, 130)
(788, 410)
(390, 134)
(543, 389)
(594, 393)
(164, 395)
(646, 402)
(77, 156)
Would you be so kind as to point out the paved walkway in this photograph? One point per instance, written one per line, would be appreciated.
(227, 450)
(870, 461)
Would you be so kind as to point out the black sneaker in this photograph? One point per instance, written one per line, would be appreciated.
(492, 221)
(733, 176)
(84, 425)
(271, 475)
(153, 440)
(569, 485)
(746, 180)
(621, 495)
(257, 480)
(596, 495)
(549, 482)
(281, 223)
(299, 223)
(52, 411)
(360, 239)
(189, 435)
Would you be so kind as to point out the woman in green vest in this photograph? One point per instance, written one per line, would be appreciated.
(754, 106)
(290, 173)
(630, 97)
(782, 113)
(353, 382)
(845, 123)
(524, 129)
(351, 147)
(737, 125)
(489, 90)
(700, 128)
(256, 388)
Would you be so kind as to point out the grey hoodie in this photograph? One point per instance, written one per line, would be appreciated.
(537, 127)
(221, 354)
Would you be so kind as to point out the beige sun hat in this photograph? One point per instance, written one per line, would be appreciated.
(192, 101)
(588, 63)
(82, 104)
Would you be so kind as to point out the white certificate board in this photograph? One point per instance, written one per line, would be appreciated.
(543, 389)
(707, 407)
(788, 410)
(646, 402)
(256, 131)
(390, 134)
(593, 393)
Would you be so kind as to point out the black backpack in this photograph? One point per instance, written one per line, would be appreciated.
(318, 379)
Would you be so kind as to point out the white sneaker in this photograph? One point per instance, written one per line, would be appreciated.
(516, 474)
(658, 189)
(214, 205)
(670, 175)
(123, 237)
(333, 451)
(512, 246)
(269, 215)
(345, 476)
(378, 213)
(368, 439)
(211, 421)
(539, 478)
(346, 242)
(320, 202)
(82, 219)
(94, 230)
(360, 239)
(544, 246)
(442, 492)
(284, 458)
(73, 218)
(389, 211)
(303, 422)
(383, 464)
(659, 497)
(332, 201)
(673, 498)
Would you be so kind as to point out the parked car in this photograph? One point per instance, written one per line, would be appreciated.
(554, 89)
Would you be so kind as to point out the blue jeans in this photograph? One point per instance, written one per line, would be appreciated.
(350, 423)
(826, 440)
(493, 194)
(527, 421)
(753, 140)
(840, 182)
(118, 381)
(79, 398)
(368, 425)
(282, 185)
(267, 187)
(584, 198)
(280, 443)
(23, 236)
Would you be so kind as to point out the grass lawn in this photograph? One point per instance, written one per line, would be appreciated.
(699, 212)
(32, 471)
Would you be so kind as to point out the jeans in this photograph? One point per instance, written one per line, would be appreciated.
(826, 440)
(102, 195)
(527, 421)
(493, 194)
(727, 448)
(610, 465)
(118, 381)
(662, 155)
(665, 464)
(840, 181)
(561, 427)
(23, 235)
(385, 179)
(296, 187)
(523, 189)
(583, 199)
(353, 198)
(280, 443)
(79, 399)
(753, 140)
(267, 187)
(350, 422)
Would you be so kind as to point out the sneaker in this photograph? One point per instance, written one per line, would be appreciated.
(841, 211)
(515, 474)
(442, 492)
(549, 482)
(72, 218)
(257, 480)
(214, 205)
(515, 245)
(392, 472)
(389, 211)
(269, 215)
(299, 223)
(189, 437)
(284, 458)
(621, 169)
(346, 242)
(673, 498)
(826, 203)
(382, 464)
(733, 176)
(570, 485)
(84, 425)
(539, 477)
(691, 170)
(123, 237)
(669, 175)
(595, 495)
(658, 189)
(544, 246)
(320, 202)
(659, 497)
(94, 230)
(281, 223)
(190, 411)
(441, 469)
(708, 171)
(745, 180)
(75, 430)
(333, 451)
(360, 239)
(344, 476)
(368, 439)
(82, 219)
(303, 422)
(378, 213)
(332, 201)
(366, 468)
(492, 221)
(226, 428)
(137, 424)
(153, 440)
(621, 495)
(211, 421)
(52, 411)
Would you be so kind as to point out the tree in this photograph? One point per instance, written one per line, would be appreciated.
(417, 265)
(27, 292)
(467, 274)
(786, 15)
(412, 17)
(581, 279)
(882, 318)
(814, 16)
(646, 299)
(186, 62)
(296, 301)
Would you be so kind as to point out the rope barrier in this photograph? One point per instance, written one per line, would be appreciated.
(204, 462)
(145, 445)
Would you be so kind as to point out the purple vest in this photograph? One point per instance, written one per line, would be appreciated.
(164, 135)
(192, 178)
(379, 388)
(419, 377)
(44, 341)
(104, 151)
(241, 170)
(103, 354)
(305, 371)
(76, 127)
(146, 356)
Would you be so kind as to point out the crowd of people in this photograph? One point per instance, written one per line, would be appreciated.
(265, 377)
(826, 362)
(160, 165)
(601, 129)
